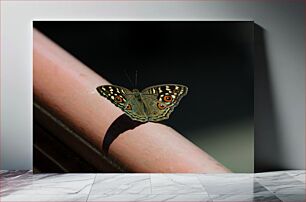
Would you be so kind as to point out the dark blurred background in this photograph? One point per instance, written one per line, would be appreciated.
(214, 59)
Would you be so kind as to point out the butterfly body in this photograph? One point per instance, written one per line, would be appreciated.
(154, 103)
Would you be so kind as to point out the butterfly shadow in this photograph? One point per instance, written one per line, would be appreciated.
(119, 126)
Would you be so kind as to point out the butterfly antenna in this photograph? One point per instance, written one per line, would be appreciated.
(127, 75)
(136, 79)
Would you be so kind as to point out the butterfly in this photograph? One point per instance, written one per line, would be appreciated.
(154, 103)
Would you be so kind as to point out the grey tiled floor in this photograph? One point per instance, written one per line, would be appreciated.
(272, 186)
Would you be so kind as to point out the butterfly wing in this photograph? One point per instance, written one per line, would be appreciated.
(161, 100)
(136, 110)
(116, 94)
(125, 100)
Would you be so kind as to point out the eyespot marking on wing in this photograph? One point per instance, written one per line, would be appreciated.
(167, 98)
(118, 99)
(129, 107)
(161, 106)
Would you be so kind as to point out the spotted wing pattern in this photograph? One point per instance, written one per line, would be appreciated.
(154, 103)
(161, 100)
(125, 100)
(116, 94)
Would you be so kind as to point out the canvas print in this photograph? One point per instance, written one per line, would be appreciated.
(143, 96)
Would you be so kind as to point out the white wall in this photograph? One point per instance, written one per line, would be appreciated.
(283, 29)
